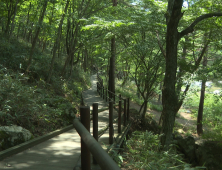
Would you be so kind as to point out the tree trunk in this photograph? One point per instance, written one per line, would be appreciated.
(112, 68)
(144, 110)
(85, 60)
(160, 96)
(169, 97)
(36, 35)
(13, 19)
(27, 22)
(170, 100)
(18, 31)
(112, 63)
(200, 109)
(56, 45)
(72, 58)
(201, 104)
(9, 8)
(30, 33)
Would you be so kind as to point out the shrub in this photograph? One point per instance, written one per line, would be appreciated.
(142, 152)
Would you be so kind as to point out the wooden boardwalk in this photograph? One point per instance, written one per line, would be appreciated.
(62, 151)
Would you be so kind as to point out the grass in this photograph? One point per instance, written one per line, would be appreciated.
(142, 151)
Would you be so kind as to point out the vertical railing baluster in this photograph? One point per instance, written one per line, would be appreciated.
(128, 101)
(111, 131)
(85, 153)
(119, 115)
(95, 124)
(124, 115)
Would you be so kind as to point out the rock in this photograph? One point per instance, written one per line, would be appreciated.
(216, 92)
(187, 111)
(187, 147)
(209, 154)
(13, 135)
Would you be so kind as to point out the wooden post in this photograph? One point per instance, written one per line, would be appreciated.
(85, 153)
(106, 94)
(102, 157)
(124, 115)
(95, 124)
(128, 101)
(119, 115)
(114, 98)
(111, 131)
(103, 92)
(101, 88)
(110, 96)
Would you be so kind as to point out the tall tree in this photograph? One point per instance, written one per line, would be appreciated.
(41, 17)
(201, 103)
(170, 99)
(56, 44)
(112, 62)
(13, 19)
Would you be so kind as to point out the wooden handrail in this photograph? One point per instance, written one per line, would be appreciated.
(100, 155)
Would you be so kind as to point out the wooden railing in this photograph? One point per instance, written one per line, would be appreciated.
(107, 95)
(90, 144)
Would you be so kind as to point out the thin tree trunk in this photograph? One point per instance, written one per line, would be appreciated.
(56, 45)
(112, 63)
(144, 110)
(112, 68)
(18, 31)
(85, 60)
(141, 107)
(13, 19)
(9, 8)
(27, 22)
(36, 35)
(160, 96)
(72, 58)
(201, 104)
(200, 109)
(30, 33)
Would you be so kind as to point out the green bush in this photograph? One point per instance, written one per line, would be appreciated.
(142, 152)
(158, 108)
(211, 115)
(26, 99)
(29, 106)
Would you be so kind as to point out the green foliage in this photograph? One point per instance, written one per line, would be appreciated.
(27, 100)
(30, 106)
(116, 156)
(142, 152)
(211, 115)
(128, 91)
(158, 108)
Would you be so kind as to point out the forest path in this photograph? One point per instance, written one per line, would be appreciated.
(185, 120)
(61, 151)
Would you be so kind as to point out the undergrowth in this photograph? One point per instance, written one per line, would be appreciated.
(211, 114)
(26, 99)
(142, 152)
(129, 91)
